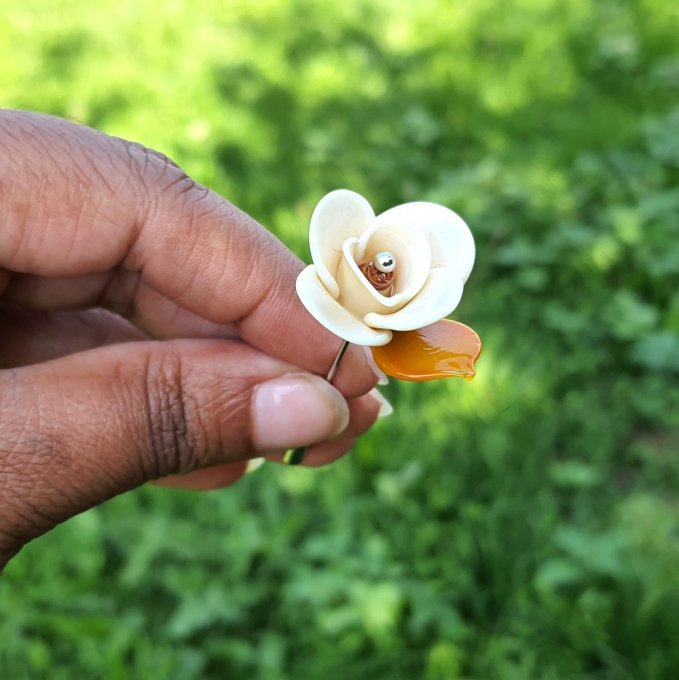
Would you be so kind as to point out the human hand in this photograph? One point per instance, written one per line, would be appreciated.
(148, 329)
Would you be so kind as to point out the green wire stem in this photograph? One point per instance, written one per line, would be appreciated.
(296, 456)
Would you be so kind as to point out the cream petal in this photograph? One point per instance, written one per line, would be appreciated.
(338, 215)
(439, 296)
(328, 312)
(451, 241)
(410, 247)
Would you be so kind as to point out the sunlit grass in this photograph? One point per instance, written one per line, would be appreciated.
(522, 525)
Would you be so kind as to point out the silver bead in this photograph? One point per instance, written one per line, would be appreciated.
(384, 262)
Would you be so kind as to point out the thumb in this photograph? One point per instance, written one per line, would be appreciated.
(81, 429)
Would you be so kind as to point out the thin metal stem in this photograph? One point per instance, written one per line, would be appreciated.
(336, 363)
(296, 456)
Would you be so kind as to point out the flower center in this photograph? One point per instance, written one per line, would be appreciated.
(380, 272)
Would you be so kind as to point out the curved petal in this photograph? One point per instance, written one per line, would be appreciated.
(438, 298)
(338, 216)
(329, 313)
(356, 292)
(409, 245)
(451, 242)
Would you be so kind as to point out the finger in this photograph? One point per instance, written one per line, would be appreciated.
(80, 429)
(328, 452)
(207, 479)
(363, 412)
(90, 220)
(29, 336)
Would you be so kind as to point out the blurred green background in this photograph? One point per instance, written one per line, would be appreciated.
(525, 525)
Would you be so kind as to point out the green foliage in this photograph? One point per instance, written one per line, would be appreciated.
(522, 526)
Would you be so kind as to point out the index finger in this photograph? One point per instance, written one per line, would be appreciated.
(92, 220)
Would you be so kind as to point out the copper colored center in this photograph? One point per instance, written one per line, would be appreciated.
(382, 282)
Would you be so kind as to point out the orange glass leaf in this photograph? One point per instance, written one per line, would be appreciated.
(443, 350)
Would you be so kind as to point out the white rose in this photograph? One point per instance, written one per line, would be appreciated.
(433, 251)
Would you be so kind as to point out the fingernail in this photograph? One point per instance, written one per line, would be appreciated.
(381, 375)
(296, 410)
(386, 409)
(254, 464)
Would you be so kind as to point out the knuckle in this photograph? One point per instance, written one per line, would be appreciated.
(152, 155)
(176, 439)
(145, 161)
(169, 196)
(13, 534)
(30, 453)
(157, 173)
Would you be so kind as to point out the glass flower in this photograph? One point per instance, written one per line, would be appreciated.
(387, 281)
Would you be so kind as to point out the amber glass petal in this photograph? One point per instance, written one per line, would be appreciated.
(443, 350)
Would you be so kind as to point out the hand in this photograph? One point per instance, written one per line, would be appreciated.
(148, 329)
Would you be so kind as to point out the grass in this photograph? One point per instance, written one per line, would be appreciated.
(521, 526)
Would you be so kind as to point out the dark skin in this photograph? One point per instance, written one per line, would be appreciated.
(149, 330)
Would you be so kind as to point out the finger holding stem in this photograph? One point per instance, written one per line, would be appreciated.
(296, 456)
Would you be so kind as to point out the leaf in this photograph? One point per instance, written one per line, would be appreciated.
(557, 573)
(658, 351)
(575, 474)
(444, 349)
(629, 316)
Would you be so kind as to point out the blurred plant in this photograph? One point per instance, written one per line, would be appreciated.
(522, 526)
